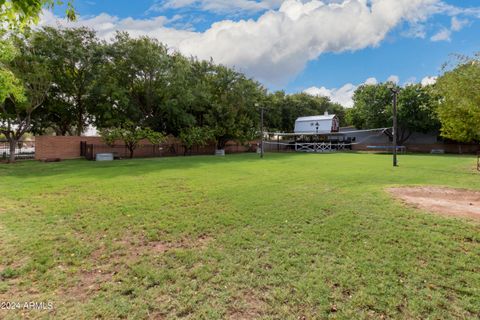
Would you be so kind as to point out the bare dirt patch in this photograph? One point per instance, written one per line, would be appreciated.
(146, 247)
(89, 283)
(445, 201)
(131, 246)
(246, 306)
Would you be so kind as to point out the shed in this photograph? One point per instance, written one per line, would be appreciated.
(317, 124)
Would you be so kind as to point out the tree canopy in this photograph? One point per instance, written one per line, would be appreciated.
(283, 109)
(459, 107)
(31, 82)
(73, 57)
(21, 13)
(416, 109)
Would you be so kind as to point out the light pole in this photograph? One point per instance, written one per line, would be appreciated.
(261, 128)
(394, 133)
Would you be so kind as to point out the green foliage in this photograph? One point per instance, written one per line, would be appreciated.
(16, 110)
(10, 85)
(21, 13)
(169, 92)
(232, 114)
(73, 57)
(282, 110)
(135, 84)
(196, 136)
(372, 107)
(459, 109)
(416, 109)
(131, 135)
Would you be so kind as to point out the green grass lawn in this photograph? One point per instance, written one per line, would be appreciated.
(292, 236)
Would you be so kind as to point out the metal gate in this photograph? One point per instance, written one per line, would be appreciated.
(23, 150)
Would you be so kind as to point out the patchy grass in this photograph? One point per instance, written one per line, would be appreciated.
(293, 236)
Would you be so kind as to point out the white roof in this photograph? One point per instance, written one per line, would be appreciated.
(316, 118)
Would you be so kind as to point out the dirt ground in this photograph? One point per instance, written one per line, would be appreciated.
(445, 201)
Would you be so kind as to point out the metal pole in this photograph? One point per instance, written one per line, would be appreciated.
(261, 130)
(395, 162)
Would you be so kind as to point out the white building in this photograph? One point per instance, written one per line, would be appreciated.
(317, 124)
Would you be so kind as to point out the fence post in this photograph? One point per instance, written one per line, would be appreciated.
(83, 145)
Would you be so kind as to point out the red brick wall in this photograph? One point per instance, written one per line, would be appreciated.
(60, 147)
(69, 147)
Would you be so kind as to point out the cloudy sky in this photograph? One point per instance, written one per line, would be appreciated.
(321, 47)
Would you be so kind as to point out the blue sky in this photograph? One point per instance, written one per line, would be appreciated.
(324, 47)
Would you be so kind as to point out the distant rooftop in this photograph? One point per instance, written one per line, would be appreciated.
(326, 116)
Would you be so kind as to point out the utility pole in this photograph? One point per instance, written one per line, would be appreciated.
(394, 134)
(261, 130)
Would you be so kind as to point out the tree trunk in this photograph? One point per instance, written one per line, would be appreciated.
(403, 136)
(79, 126)
(132, 150)
(221, 143)
(13, 146)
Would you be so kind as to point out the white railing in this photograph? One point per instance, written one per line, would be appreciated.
(313, 147)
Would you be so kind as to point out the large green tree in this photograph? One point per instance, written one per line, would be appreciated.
(17, 109)
(233, 114)
(373, 109)
(459, 108)
(416, 111)
(73, 57)
(135, 83)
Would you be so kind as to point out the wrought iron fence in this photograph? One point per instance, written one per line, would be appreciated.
(23, 150)
(89, 151)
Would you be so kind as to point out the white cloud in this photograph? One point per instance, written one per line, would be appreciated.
(276, 47)
(341, 95)
(393, 78)
(344, 95)
(415, 30)
(428, 81)
(107, 25)
(445, 34)
(442, 35)
(440, 7)
(458, 24)
(371, 81)
(418, 28)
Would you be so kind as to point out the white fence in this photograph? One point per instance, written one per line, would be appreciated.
(319, 147)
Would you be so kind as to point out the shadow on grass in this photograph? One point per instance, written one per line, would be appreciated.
(127, 167)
